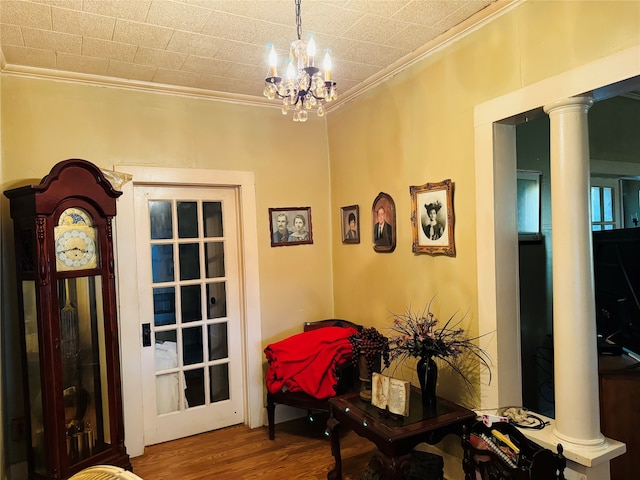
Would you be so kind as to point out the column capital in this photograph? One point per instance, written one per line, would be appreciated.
(584, 101)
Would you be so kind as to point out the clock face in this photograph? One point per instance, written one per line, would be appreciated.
(76, 249)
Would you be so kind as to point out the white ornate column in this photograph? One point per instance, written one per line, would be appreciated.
(577, 409)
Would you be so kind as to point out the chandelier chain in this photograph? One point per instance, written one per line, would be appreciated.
(298, 19)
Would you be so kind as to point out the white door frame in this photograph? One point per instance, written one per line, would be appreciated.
(129, 325)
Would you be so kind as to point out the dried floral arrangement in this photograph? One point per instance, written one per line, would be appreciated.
(419, 334)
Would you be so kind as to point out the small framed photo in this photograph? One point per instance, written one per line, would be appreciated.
(290, 226)
(383, 219)
(432, 218)
(350, 219)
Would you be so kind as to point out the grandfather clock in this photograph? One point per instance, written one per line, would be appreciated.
(67, 307)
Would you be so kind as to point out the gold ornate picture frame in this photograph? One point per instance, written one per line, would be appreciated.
(432, 218)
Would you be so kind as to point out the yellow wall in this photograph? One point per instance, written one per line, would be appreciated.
(418, 127)
(47, 121)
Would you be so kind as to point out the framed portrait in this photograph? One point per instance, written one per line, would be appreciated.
(432, 218)
(290, 226)
(350, 220)
(383, 223)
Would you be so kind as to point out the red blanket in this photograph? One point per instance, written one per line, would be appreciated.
(307, 362)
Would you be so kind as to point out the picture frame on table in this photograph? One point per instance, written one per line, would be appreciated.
(290, 226)
(350, 223)
(433, 218)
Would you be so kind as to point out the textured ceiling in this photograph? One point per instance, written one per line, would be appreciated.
(219, 47)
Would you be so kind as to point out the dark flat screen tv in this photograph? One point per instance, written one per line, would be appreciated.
(616, 255)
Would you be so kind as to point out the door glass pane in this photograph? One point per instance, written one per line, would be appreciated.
(162, 263)
(192, 345)
(160, 219)
(166, 354)
(167, 393)
(195, 387)
(595, 205)
(187, 220)
(219, 387)
(607, 204)
(164, 306)
(214, 252)
(218, 346)
(190, 306)
(217, 300)
(212, 213)
(189, 261)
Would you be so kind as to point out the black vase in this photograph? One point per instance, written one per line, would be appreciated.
(428, 376)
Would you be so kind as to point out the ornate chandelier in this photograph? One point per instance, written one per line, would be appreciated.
(304, 87)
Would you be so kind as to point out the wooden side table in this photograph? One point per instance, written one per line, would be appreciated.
(394, 437)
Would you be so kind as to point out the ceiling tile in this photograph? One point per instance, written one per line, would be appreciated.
(194, 44)
(429, 12)
(31, 57)
(413, 37)
(275, 11)
(26, 14)
(94, 47)
(382, 8)
(126, 9)
(374, 29)
(177, 15)
(242, 29)
(174, 77)
(209, 66)
(329, 19)
(81, 23)
(131, 71)
(160, 58)
(72, 4)
(47, 40)
(81, 64)
(11, 34)
(461, 14)
(232, 51)
(142, 34)
(379, 55)
(247, 72)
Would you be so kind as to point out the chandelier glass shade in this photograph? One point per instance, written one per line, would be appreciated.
(305, 87)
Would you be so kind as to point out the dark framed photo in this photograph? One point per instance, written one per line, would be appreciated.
(432, 218)
(350, 220)
(290, 226)
(383, 219)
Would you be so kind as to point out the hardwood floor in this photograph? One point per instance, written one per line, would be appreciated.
(299, 451)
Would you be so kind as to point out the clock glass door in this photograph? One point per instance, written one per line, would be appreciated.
(189, 293)
(84, 372)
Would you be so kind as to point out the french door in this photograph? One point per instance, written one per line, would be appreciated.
(189, 310)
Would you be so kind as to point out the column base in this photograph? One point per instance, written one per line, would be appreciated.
(573, 443)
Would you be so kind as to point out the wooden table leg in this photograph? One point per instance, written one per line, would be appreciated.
(334, 436)
(393, 468)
